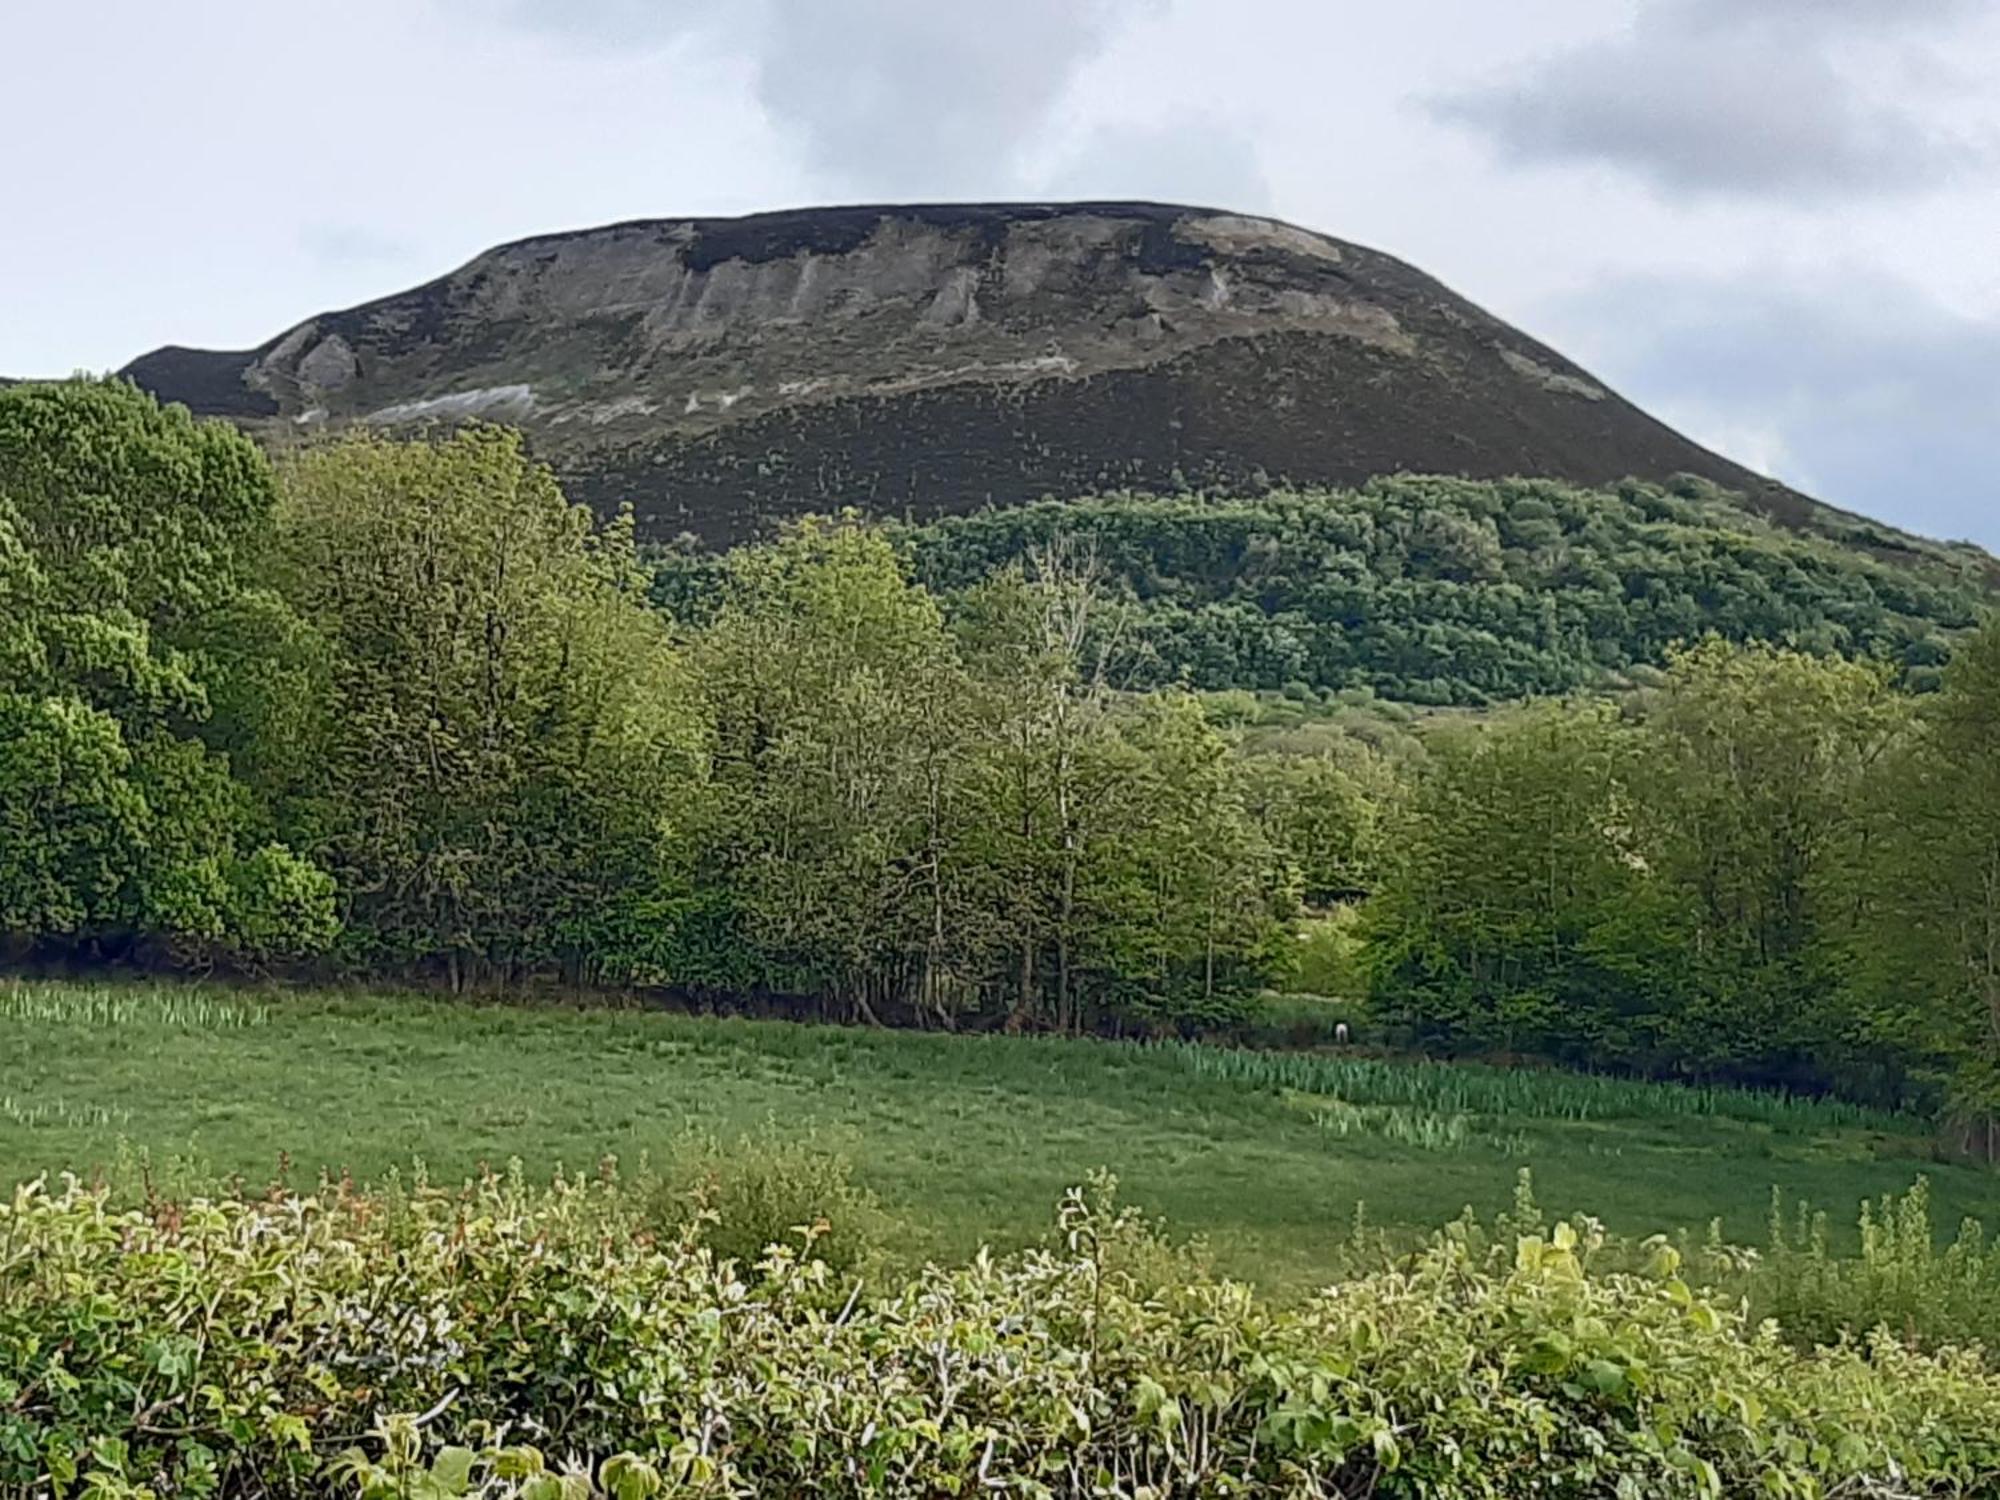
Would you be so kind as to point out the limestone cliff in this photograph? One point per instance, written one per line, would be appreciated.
(720, 372)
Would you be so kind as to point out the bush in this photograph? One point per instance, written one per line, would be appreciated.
(281, 906)
(746, 1195)
(1901, 1281)
(235, 1346)
(1281, 1020)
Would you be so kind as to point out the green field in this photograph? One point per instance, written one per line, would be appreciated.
(965, 1139)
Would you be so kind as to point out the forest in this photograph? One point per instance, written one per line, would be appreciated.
(1435, 590)
(394, 707)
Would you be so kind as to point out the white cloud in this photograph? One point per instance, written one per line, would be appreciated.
(227, 167)
(904, 98)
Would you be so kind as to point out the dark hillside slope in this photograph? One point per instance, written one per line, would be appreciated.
(719, 373)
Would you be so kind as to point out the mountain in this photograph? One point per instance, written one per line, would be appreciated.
(919, 360)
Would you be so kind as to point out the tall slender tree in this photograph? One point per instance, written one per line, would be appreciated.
(841, 716)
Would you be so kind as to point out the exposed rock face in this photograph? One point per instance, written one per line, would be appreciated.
(720, 372)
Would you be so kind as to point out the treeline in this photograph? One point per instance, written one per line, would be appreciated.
(1771, 867)
(400, 707)
(1449, 591)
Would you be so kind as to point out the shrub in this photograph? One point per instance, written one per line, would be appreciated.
(746, 1195)
(281, 906)
(1900, 1281)
(1282, 1020)
(235, 1346)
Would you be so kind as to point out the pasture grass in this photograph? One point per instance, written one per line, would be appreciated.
(965, 1140)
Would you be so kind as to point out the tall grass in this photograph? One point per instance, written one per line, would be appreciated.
(127, 1006)
(1448, 1089)
(1443, 1089)
(35, 1113)
(1424, 1129)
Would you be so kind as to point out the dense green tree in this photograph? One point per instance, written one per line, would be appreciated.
(126, 531)
(71, 820)
(1053, 776)
(842, 720)
(1754, 764)
(1450, 591)
(1669, 887)
(1183, 897)
(919, 822)
(1518, 912)
(511, 749)
(1924, 941)
(1326, 813)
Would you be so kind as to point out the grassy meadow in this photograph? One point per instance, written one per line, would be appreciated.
(965, 1140)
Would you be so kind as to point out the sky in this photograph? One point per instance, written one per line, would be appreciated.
(1773, 223)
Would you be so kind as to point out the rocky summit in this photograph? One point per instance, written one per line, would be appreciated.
(718, 373)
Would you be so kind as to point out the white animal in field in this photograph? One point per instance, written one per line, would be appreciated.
(1340, 1034)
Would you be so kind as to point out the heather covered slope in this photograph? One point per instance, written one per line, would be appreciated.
(718, 373)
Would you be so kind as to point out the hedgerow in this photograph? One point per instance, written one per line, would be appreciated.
(503, 1340)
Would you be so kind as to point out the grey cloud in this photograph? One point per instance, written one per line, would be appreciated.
(912, 91)
(1885, 401)
(910, 97)
(1879, 15)
(1728, 97)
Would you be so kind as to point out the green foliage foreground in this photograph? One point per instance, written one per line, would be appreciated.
(437, 1342)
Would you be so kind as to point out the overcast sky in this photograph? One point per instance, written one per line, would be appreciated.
(1775, 223)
